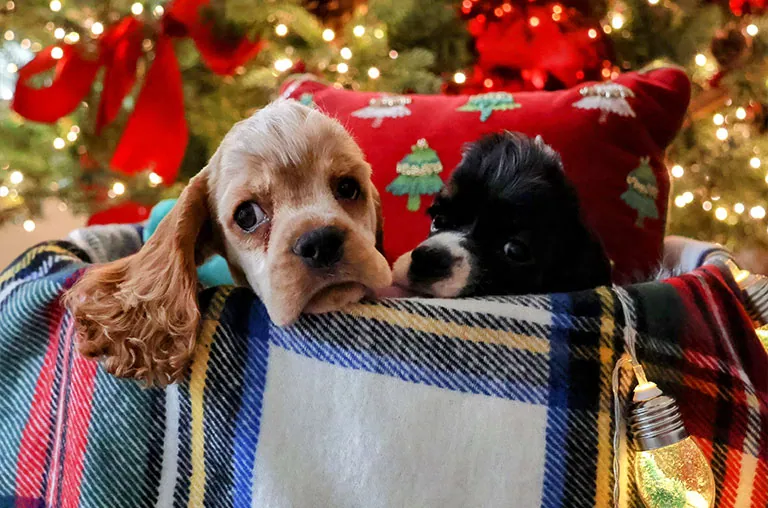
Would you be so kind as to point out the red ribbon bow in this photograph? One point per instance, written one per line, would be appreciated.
(156, 134)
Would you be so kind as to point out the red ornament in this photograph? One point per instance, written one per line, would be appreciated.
(125, 213)
(156, 134)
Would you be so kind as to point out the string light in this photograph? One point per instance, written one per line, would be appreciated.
(680, 201)
(281, 30)
(617, 21)
(3, 191)
(592, 33)
(653, 2)
(55, 5)
(72, 37)
(378, 33)
(358, 30)
(12, 68)
(557, 9)
(460, 77)
(155, 179)
(722, 133)
(328, 35)
(345, 53)
(688, 196)
(374, 73)
(72, 136)
(752, 30)
(158, 11)
(97, 28)
(26, 43)
(59, 33)
(9, 35)
(718, 119)
(118, 188)
(701, 60)
(534, 21)
(17, 177)
(738, 208)
(57, 53)
(707, 206)
(757, 212)
(137, 8)
(488, 83)
(393, 54)
(678, 171)
(607, 29)
(721, 213)
(766, 178)
(342, 68)
(741, 113)
(755, 162)
(29, 225)
(283, 64)
(59, 143)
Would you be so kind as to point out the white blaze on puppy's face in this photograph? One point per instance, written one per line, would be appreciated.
(444, 250)
(289, 160)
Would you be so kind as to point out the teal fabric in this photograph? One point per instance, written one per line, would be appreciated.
(214, 272)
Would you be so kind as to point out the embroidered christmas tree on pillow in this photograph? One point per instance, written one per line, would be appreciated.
(417, 175)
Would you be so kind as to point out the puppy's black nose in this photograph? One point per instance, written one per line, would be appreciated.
(320, 248)
(429, 264)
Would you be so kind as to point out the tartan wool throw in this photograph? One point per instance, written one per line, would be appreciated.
(502, 401)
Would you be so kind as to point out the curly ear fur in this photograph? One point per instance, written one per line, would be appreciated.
(140, 313)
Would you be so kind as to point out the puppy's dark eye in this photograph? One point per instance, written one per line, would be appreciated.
(249, 216)
(347, 188)
(517, 251)
(439, 222)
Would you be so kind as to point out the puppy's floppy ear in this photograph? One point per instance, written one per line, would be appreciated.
(379, 219)
(140, 313)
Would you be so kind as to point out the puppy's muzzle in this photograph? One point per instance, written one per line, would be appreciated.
(321, 248)
(441, 266)
(430, 264)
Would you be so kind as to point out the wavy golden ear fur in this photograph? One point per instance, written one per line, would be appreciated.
(141, 312)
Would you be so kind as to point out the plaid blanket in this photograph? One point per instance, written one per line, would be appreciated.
(412, 402)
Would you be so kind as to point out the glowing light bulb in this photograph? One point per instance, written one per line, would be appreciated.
(342, 68)
(738, 208)
(752, 30)
(281, 30)
(688, 196)
(346, 53)
(155, 179)
(701, 60)
(283, 64)
(670, 469)
(722, 134)
(592, 33)
(72, 136)
(757, 212)
(137, 8)
(11, 68)
(378, 33)
(97, 28)
(59, 143)
(721, 213)
(118, 188)
(158, 11)
(653, 2)
(55, 5)
(72, 37)
(4, 191)
(9, 35)
(741, 113)
(707, 206)
(460, 78)
(677, 171)
(29, 225)
(755, 162)
(358, 30)
(17, 177)
(534, 21)
(680, 201)
(328, 35)
(718, 119)
(393, 54)
(617, 21)
(59, 33)
(374, 73)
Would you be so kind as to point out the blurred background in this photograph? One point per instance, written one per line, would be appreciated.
(89, 147)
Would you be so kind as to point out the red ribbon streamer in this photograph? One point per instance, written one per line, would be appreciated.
(156, 134)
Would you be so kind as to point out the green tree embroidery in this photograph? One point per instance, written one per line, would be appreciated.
(642, 191)
(417, 175)
(487, 103)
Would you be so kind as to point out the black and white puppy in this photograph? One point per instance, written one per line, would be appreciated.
(507, 222)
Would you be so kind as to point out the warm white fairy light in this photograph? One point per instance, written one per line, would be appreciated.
(72, 136)
(374, 73)
(29, 225)
(617, 21)
(739, 208)
(378, 33)
(707, 206)
(26, 43)
(688, 196)
(118, 188)
(59, 33)
(592, 33)
(342, 68)
(677, 171)
(158, 11)
(460, 77)
(55, 5)
(757, 212)
(358, 30)
(283, 64)
(97, 28)
(17, 177)
(4, 191)
(718, 119)
(281, 30)
(752, 29)
(6, 94)
(653, 2)
(9, 35)
(345, 53)
(534, 21)
(701, 60)
(680, 201)
(59, 143)
(137, 8)
(11, 68)
(741, 113)
(328, 35)
(72, 37)
(755, 162)
(721, 213)
(722, 133)
(393, 54)
(155, 179)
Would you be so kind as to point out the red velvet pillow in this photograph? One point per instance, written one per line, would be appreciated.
(611, 137)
